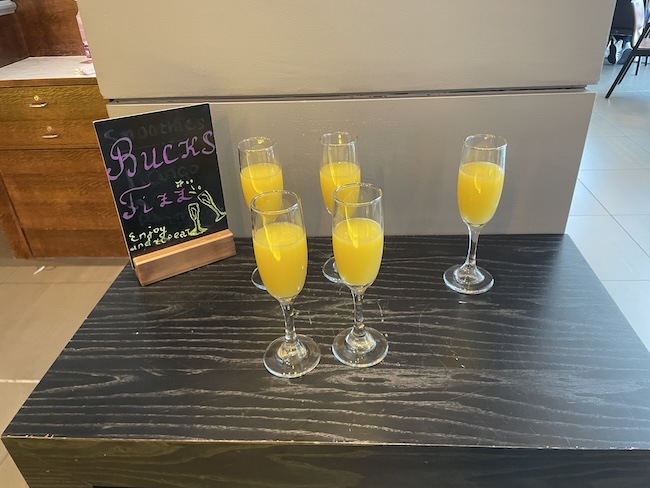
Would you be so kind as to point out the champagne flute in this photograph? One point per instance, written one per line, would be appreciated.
(358, 241)
(280, 246)
(259, 171)
(480, 182)
(339, 166)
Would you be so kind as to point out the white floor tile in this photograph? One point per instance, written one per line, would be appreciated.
(609, 250)
(622, 102)
(584, 203)
(39, 320)
(63, 274)
(10, 477)
(630, 82)
(600, 127)
(614, 153)
(5, 272)
(621, 192)
(638, 226)
(632, 297)
(13, 396)
(631, 124)
(643, 142)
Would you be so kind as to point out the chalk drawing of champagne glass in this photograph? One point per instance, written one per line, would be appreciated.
(194, 211)
(206, 199)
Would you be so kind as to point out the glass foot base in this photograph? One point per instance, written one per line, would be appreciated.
(291, 362)
(360, 353)
(256, 279)
(467, 280)
(330, 272)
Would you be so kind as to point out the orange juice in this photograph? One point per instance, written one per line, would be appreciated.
(258, 178)
(358, 246)
(281, 254)
(333, 175)
(479, 191)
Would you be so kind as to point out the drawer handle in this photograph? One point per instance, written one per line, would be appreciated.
(38, 105)
(50, 134)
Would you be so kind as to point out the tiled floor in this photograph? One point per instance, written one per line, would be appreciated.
(609, 222)
(610, 216)
(40, 311)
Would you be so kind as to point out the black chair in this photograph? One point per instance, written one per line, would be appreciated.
(640, 48)
(643, 51)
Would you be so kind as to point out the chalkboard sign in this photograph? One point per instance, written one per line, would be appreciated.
(164, 174)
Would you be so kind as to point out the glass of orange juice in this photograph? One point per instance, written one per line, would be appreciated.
(280, 246)
(358, 241)
(259, 171)
(480, 182)
(339, 166)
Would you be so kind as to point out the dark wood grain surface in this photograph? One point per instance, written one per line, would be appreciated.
(539, 380)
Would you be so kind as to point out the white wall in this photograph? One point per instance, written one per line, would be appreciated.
(411, 147)
(402, 74)
(222, 48)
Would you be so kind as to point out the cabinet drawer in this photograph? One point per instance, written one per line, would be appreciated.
(61, 202)
(45, 162)
(85, 243)
(59, 189)
(64, 102)
(47, 134)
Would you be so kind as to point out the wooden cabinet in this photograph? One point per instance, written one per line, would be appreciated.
(55, 199)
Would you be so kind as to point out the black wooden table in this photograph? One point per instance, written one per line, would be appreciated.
(539, 382)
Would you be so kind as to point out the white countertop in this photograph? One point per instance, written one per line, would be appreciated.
(48, 67)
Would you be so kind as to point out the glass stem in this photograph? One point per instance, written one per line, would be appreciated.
(292, 349)
(358, 338)
(289, 328)
(359, 329)
(474, 232)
